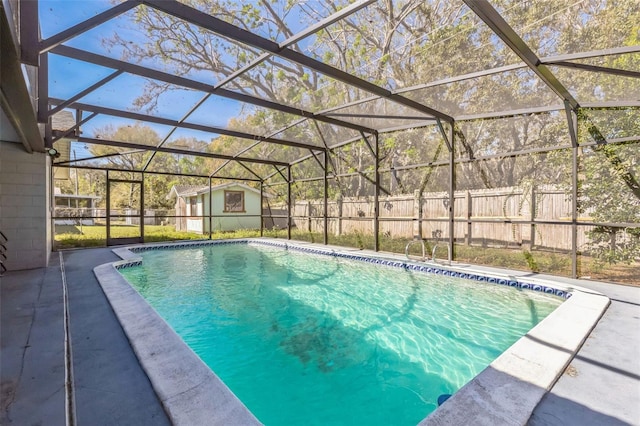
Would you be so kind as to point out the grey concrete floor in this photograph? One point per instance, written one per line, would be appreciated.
(601, 386)
(110, 387)
(32, 373)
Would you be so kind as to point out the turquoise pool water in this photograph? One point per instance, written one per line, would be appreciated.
(310, 339)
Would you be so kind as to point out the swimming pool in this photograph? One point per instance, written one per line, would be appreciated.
(336, 343)
(292, 332)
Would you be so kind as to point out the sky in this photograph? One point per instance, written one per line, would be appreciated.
(68, 76)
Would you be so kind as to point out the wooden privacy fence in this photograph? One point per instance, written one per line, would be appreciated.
(489, 217)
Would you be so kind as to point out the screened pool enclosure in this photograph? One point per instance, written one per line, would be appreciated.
(507, 131)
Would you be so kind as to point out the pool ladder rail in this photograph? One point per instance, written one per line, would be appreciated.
(424, 256)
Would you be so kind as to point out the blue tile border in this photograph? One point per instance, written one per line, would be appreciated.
(429, 269)
(128, 264)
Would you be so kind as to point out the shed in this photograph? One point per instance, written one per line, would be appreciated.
(234, 206)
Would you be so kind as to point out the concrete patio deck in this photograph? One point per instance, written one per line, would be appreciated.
(601, 386)
(110, 387)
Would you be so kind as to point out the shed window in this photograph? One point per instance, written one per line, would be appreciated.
(62, 202)
(193, 206)
(234, 201)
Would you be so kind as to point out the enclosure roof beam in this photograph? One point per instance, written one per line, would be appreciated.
(498, 25)
(242, 151)
(29, 31)
(169, 150)
(308, 156)
(443, 133)
(192, 126)
(330, 148)
(68, 166)
(363, 174)
(381, 116)
(611, 104)
(371, 149)
(329, 20)
(318, 160)
(623, 50)
(69, 33)
(14, 96)
(278, 172)
(543, 109)
(595, 68)
(550, 60)
(173, 129)
(84, 92)
(624, 140)
(571, 125)
(98, 157)
(484, 116)
(462, 77)
(400, 128)
(294, 39)
(73, 129)
(331, 112)
(357, 172)
(233, 32)
(269, 176)
(234, 178)
(249, 170)
(82, 55)
(624, 173)
(248, 148)
(510, 113)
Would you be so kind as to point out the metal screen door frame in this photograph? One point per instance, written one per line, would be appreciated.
(111, 241)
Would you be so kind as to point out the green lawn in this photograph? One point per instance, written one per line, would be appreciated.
(69, 236)
(72, 236)
(543, 261)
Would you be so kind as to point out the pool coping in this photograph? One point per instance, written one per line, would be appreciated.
(506, 392)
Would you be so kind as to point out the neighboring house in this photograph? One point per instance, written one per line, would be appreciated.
(72, 209)
(234, 206)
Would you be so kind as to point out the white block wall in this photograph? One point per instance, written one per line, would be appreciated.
(24, 206)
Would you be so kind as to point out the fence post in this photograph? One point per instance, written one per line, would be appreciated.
(614, 233)
(261, 210)
(533, 216)
(417, 213)
(309, 216)
(469, 210)
(289, 199)
(339, 224)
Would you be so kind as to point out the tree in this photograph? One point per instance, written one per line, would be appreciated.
(610, 192)
(130, 163)
(401, 45)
